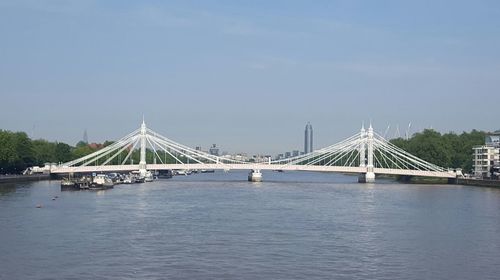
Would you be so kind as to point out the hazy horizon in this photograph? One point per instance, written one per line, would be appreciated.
(247, 76)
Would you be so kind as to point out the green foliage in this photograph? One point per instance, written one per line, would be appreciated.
(16, 151)
(81, 144)
(44, 151)
(8, 153)
(107, 143)
(446, 150)
(81, 151)
(24, 150)
(63, 152)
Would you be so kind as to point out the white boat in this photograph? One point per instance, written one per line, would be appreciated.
(255, 176)
(127, 180)
(207, 171)
(136, 177)
(102, 181)
(68, 184)
(181, 172)
(148, 177)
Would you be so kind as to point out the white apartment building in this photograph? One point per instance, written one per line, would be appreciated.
(484, 157)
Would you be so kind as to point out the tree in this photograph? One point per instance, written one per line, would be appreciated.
(24, 150)
(447, 150)
(81, 144)
(82, 151)
(8, 154)
(107, 143)
(44, 151)
(16, 151)
(62, 152)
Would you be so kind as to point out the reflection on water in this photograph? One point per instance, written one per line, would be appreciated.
(7, 188)
(213, 226)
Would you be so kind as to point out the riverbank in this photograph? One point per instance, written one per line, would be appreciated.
(444, 181)
(466, 182)
(23, 178)
(479, 183)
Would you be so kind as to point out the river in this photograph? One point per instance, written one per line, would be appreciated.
(219, 226)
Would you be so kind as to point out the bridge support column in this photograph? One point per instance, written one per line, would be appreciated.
(369, 176)
(142, 162)
(255, 176)
(362, 147)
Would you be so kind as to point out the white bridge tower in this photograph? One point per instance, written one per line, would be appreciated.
(366, 145)
(142, 162)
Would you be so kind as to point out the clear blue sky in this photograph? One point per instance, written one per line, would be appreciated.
(247, 75)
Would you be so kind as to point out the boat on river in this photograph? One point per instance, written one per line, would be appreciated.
(75, 184)
(101, 182)
(148, 177)
(68, 184)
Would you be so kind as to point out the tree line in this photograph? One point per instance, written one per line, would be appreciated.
(446, 150)
(18, 151)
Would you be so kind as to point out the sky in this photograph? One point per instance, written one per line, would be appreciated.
(247, 75)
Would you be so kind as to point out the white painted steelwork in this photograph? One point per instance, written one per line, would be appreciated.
(347, 156)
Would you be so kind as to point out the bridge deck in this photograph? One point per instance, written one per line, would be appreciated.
(261, 166)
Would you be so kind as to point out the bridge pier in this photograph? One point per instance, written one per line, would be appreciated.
(255, 176)
(368, 177)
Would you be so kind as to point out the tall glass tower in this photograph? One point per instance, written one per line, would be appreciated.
(308, 139)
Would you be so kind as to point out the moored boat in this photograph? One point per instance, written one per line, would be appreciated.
(127, 179)
(67, 184)
(207, 171)
(148, 177)
(101, 182)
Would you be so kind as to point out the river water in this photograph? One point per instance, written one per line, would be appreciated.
(219, 226)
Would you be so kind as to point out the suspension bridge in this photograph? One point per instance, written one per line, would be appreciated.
(366, 153)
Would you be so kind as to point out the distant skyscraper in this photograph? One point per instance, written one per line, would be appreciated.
(85, 137)
(308, 139)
